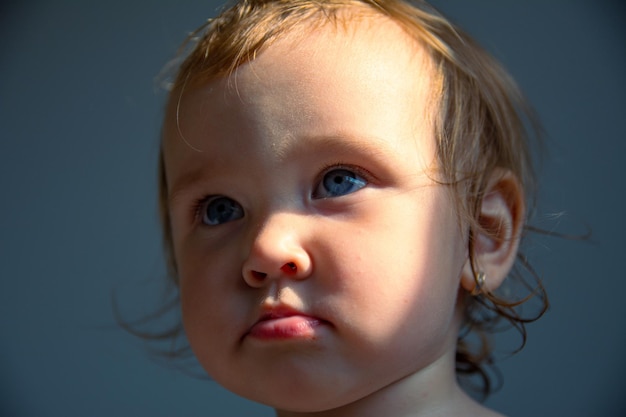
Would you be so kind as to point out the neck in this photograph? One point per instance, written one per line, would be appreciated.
(432, 391)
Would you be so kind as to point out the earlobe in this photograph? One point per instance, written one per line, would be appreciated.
(495, 242)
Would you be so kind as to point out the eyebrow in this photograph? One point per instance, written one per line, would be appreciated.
(368, 147)
(183, 184)
(336, 143)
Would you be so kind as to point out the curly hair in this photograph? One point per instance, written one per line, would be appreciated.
(480, 128)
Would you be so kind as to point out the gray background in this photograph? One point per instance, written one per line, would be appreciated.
(79, 122)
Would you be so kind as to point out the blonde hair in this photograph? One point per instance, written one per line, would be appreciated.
(480, 124)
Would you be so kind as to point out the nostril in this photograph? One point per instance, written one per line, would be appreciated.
(259, 275)
(289, 268)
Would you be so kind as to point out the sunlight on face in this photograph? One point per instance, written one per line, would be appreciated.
(318, 261)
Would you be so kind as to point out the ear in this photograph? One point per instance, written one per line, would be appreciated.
(501, 218)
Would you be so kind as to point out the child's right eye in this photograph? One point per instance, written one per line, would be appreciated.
(219, 209)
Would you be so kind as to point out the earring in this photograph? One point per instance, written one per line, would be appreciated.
(480, 283)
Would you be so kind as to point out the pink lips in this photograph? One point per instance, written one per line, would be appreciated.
(284, 323)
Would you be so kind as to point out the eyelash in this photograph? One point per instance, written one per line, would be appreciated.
(357, 169)
(199, 204)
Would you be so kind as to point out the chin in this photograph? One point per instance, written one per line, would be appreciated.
(300, 394)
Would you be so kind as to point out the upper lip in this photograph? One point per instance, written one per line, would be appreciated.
(278, 312)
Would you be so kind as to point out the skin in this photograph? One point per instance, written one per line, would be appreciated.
(373, 273)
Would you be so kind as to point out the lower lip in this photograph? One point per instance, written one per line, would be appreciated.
(292, 327)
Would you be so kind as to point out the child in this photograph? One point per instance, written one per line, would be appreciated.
(343, 190)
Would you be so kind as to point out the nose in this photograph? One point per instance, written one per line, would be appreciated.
(277, 251)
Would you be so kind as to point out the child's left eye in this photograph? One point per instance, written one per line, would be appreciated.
(338, 182)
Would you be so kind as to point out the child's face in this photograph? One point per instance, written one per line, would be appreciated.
(318, 260)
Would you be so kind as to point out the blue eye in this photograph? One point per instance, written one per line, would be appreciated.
(219, 209)
(338, 182)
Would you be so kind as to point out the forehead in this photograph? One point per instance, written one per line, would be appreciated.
(369, 55)
(316, 80)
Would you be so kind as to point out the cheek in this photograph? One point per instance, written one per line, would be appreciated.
(198, 301)
(205, 283)
(403, 267)
(416, 235)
